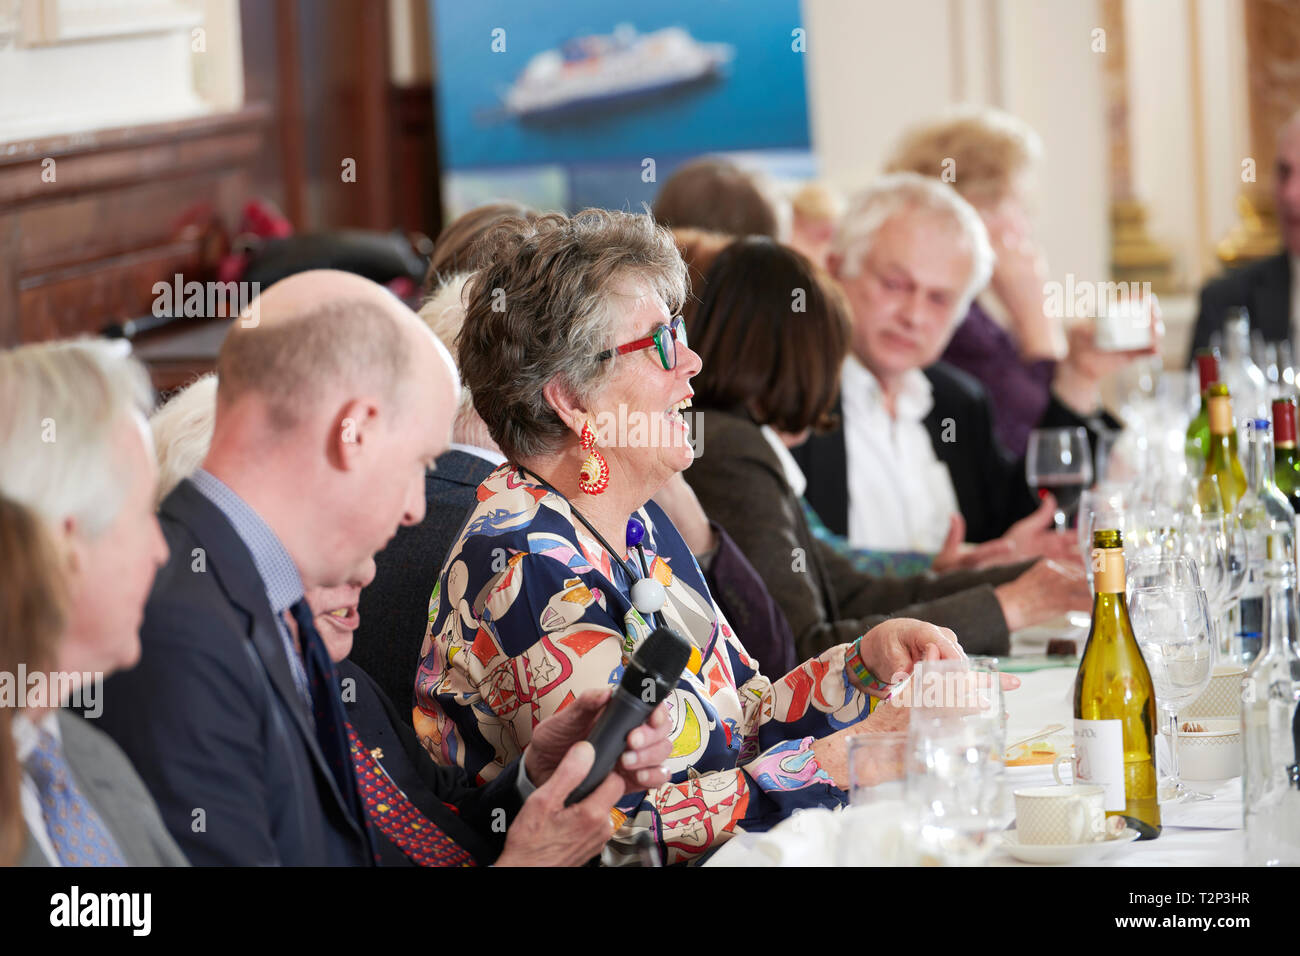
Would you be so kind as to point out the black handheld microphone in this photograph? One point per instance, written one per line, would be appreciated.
(651, 675)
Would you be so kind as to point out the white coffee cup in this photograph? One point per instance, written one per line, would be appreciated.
(1061, 816)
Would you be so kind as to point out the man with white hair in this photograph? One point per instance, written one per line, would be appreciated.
(332, 401)
(916, 449)
(1269, 288)
(74, 448)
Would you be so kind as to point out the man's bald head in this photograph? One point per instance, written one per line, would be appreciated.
(316, 335)
(333, 401)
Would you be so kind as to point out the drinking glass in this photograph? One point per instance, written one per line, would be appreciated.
(1093, 502)
(1059, 460)
(952, 787)
(1173, 628)
(983, 664)
(1099, 511)
(1206, 543)
(877, 765)
(955, 759)
(1161, 570)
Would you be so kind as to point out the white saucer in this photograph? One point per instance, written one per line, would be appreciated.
(1058, 854)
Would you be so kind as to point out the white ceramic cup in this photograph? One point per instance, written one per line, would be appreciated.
(1061, 816)
(1221, 697)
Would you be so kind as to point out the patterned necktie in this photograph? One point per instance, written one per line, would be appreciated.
(327, 709)
(76, 829)
(399, 819)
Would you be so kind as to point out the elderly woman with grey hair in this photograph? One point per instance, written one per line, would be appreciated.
(581, 373)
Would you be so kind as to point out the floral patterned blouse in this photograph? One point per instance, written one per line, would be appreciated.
(528, 613)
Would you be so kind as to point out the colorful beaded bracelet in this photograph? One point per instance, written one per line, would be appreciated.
(872, 685)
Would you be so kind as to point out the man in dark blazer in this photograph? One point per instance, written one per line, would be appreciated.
(992, 493)
(1263, 288)
(910, 254)
(1266, 288)
(82, 802)
(212, 716)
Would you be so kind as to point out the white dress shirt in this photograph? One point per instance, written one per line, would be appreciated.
(901, 496)
(26, 738)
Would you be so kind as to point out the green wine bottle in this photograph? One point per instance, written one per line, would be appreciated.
(1115, 701)
(1286, 464)
(1221, 460)
(1198, 432)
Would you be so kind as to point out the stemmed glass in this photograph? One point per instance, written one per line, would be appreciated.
(1161, 570)
(1059, 460)
(1099, 510)
(1205, 541)
(1173, 628)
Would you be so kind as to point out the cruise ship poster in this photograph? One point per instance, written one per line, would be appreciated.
(560, 105)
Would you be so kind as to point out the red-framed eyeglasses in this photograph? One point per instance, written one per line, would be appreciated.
(664, 340)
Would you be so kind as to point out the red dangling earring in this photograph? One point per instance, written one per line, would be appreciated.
(593, 477)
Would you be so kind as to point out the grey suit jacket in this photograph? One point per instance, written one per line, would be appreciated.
(742, 486)
(107, 779)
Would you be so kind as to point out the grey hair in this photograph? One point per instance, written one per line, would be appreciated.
(543, 307)
(60, 404)
(871, 208)
(182, 432)
(444, 313)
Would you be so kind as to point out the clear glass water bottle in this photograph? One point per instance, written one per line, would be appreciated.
(1270, 777)
(1268, 521)
(1238, 370)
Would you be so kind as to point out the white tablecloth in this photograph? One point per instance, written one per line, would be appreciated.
(1204, 833)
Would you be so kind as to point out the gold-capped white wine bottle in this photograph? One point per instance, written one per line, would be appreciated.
(1115, 701)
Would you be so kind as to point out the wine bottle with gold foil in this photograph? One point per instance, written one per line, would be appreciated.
(1221, 458)
(1115, 701)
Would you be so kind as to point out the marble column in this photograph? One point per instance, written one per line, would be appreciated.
(1273, 65)
(1135, 256)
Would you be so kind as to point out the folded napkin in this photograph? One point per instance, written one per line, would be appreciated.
(870, 835)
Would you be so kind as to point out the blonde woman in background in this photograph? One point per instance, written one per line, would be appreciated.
(1024, 357)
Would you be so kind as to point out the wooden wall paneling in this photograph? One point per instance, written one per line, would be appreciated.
(125, 209)
(9, 237)
(416, 194)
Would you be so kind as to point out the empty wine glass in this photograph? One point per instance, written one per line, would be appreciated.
(1206, 543)
(1173, 628)
(1098, 509)
(1059, 460)
(1162, 570)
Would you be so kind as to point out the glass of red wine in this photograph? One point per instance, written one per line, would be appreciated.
(1059, 460)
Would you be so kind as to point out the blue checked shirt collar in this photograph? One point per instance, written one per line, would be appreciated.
(279, 574)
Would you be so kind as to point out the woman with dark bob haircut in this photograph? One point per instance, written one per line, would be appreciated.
(580, 369)
(772, 331)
